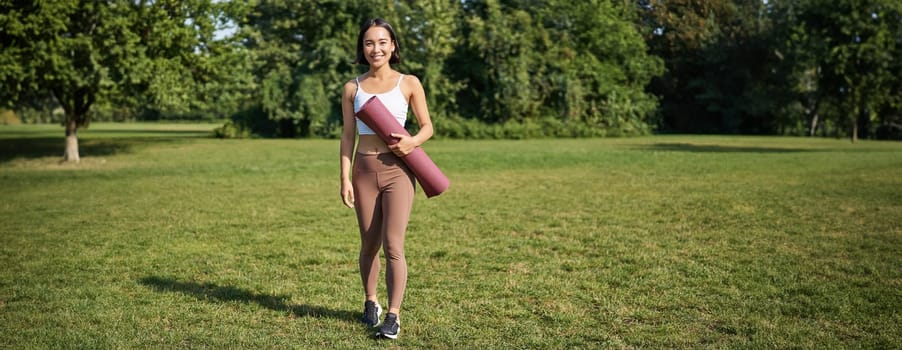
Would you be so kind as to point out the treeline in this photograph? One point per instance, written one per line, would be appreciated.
(491, 69)
(797, 67)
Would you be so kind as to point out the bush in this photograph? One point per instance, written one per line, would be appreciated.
(463, 128)
(9, 117)
(44, 115)
(230, 130)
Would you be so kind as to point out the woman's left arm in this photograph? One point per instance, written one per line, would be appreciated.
(417, 98)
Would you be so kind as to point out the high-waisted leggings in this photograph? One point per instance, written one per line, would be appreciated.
(383, 198)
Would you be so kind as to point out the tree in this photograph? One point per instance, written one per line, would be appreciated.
(432, 34)
(303, 55)
(508, 43)
(844, 53)
(579, 65)
(720, 65)
(599, 67)
(140, 53)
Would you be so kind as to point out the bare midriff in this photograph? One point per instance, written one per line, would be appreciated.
(371, 144)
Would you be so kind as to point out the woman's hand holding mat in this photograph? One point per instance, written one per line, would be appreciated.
(380, 120)
(403, 146)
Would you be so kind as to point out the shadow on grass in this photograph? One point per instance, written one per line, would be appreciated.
(40, 147)
(150, 132)
(210, 291)
(688, 147)
(54, 147)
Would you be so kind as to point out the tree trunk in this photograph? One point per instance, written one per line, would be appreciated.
(856, 113)
(814, 106)
(71, 154)
(813, 125)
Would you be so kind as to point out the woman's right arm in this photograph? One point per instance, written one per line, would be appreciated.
(348, 134)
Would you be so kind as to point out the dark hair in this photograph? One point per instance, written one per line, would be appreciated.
(377, 22)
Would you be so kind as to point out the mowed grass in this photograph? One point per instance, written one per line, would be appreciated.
(165, 238)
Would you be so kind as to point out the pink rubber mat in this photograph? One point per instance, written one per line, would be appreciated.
(378, 118)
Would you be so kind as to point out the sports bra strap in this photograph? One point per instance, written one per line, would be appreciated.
(398, 85)
(357, 79)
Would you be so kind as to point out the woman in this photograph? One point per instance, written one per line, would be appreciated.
(381, 188)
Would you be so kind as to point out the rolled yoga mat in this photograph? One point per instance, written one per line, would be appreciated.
(378, 118)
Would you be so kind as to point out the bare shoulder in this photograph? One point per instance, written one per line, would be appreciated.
(350, 84)
(411, 79)
(350, 88)
(412, 83)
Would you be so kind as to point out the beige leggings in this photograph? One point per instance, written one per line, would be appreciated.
(383, 198)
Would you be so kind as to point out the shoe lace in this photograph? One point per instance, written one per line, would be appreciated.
(370, 311)
(389, 323)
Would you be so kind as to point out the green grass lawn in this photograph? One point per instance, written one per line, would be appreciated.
(166, 238)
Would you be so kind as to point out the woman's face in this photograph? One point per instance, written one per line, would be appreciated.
(377, 46)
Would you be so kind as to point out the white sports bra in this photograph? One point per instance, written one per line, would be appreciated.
(394, 100)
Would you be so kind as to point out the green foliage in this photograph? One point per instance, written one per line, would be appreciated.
(786, 67)
(231, 130)
(509, 44)
(9, 117)
(504, 65)
(719, 76)
(302, 56)
(132, 58)
(432, 35)
(581, 68)
(854, 44)
(582, 63)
